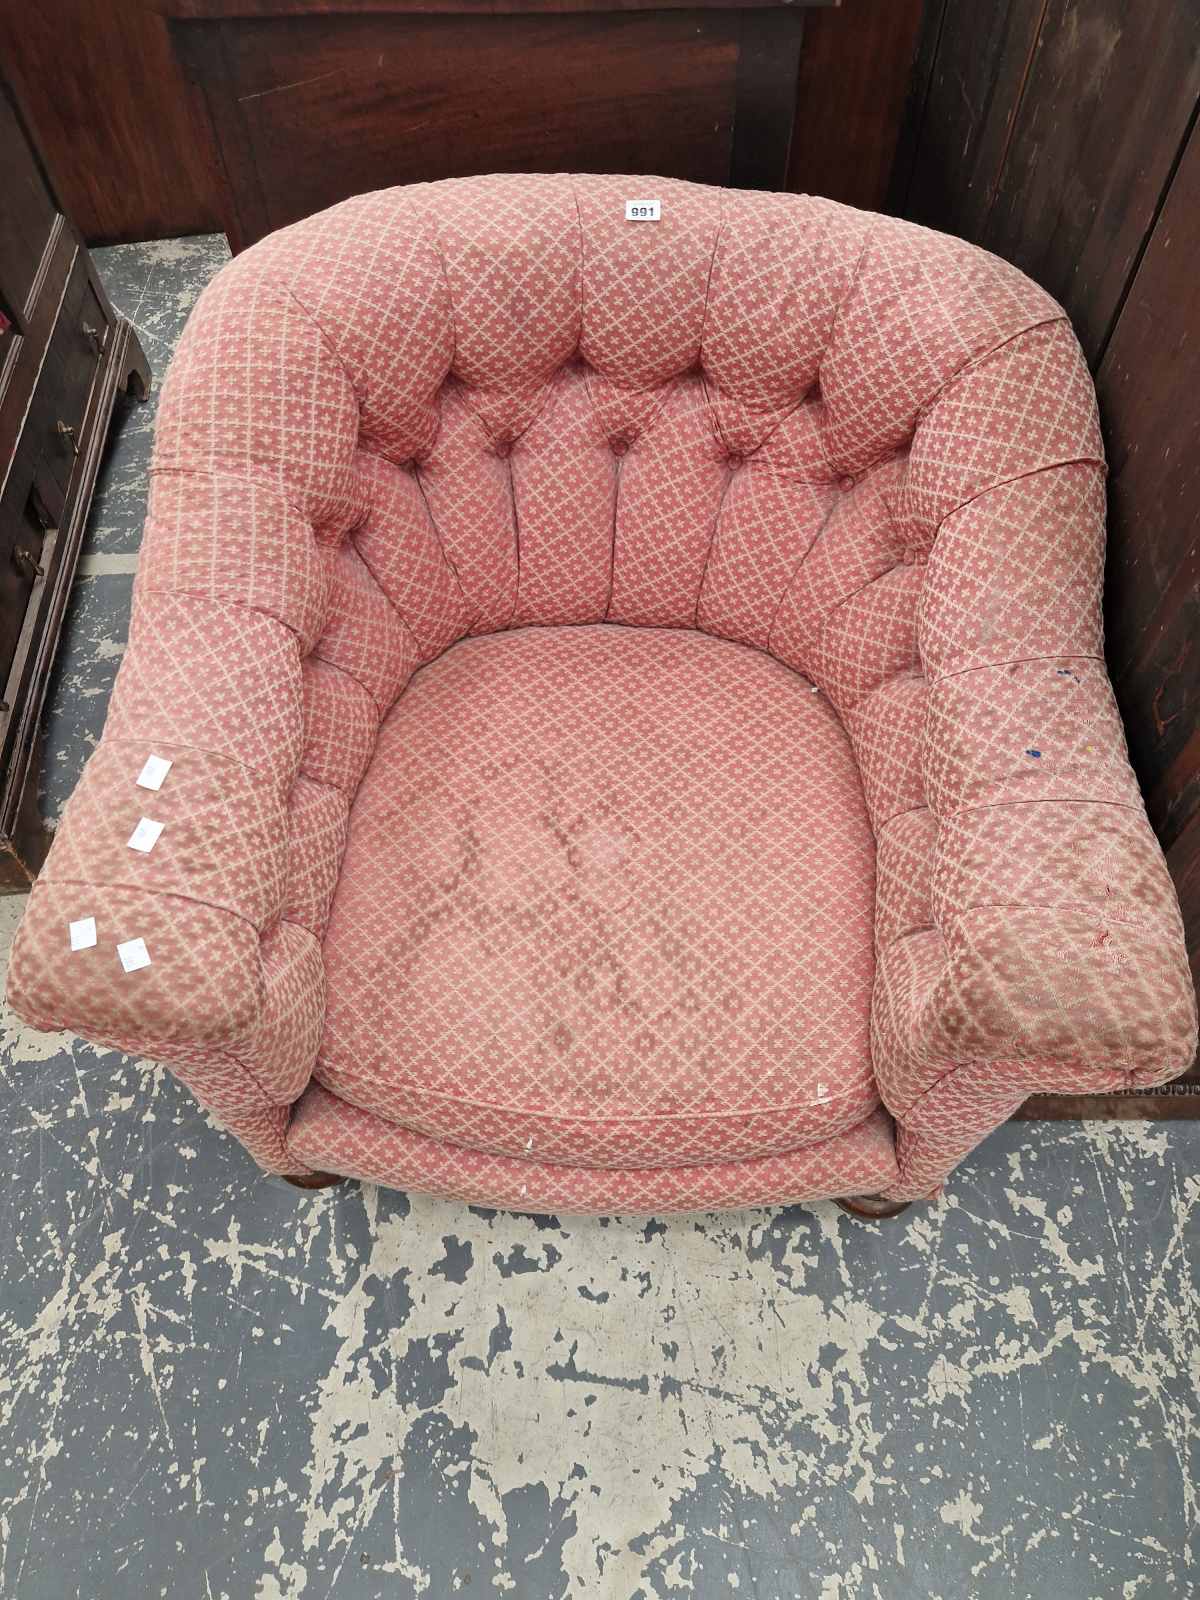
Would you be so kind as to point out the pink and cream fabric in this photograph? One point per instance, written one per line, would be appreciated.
(638, 729)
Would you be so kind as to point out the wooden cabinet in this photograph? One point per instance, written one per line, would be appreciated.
(306, 102)
(64, 353)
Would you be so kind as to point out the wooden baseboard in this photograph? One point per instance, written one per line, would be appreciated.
(1173, 1102)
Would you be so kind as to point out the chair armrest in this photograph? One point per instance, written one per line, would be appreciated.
(1044, 948)
(253, 487)
(261, 656)
(232, 994)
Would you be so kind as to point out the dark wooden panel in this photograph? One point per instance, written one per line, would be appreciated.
(854, 71)
(1149, 384)
(109, 102)
(22, 374)
(976, 55)
(116, 118)
(1183, 858)
(912, 118)
(28, 213)
(306, 110)
(247, 10)
(1111, 90)
(1048, 131)
(765, 105)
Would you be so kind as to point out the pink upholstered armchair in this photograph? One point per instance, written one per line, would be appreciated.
(639, 737)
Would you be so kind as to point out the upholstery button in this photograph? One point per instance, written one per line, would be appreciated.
(733, 462)
(846, 483)
(619, 446)
(503, 450)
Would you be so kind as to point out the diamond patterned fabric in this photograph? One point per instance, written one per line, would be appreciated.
(607, 897)
(335, 1137)
(651, 458)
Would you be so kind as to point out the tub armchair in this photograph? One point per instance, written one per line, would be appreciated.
(637, 723)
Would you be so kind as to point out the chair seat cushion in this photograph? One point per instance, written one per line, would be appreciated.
(329, 1136)
(607, 901)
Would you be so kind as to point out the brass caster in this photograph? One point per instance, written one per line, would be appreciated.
(312, 1180)
(873, 1207)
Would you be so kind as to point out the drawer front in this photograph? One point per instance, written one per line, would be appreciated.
(27, 525)
(67, 378)
(48, 454)
(44, 457)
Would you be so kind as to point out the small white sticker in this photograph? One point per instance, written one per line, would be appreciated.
(643, 211)
(145, 836)
(83, 933)
(134, 955)
(152, 774)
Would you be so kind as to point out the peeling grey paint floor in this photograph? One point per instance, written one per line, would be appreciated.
(213, 1385)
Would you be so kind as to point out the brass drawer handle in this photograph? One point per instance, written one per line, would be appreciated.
(96, 337)
(66, 431)
(24, 555)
